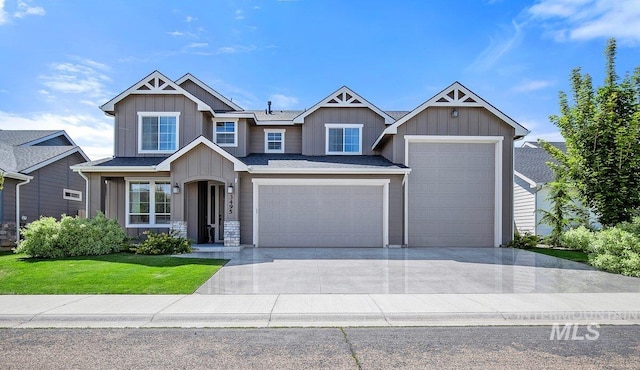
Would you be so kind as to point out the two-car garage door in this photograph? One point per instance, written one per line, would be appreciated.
(320, 213)
(451, 194)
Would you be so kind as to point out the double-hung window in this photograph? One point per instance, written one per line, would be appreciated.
(148, 203)
(343, 138)
(274, 140)
(226, 133)
(158, 132)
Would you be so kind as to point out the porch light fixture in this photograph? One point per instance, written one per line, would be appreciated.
(454, 113)
(230, 189)
(176, 189)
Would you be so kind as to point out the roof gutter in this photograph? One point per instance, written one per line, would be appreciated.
(18, 185)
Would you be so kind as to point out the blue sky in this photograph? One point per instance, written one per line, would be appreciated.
(60, 60)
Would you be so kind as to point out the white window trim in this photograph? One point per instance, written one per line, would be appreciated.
(152, 204)
(497, 196)
(383, 183)
(266, 141)
(342, 125)
(235, 133)
(68, 194)
(158, 114)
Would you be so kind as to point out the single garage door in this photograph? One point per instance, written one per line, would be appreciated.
(324, 215)
(451, 194)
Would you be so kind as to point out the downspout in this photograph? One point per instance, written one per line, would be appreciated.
(18, 185)
(86, 192)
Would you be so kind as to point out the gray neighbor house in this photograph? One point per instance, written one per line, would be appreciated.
(38, 180)
(342, 173)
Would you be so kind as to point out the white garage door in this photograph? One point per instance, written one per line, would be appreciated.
(320, 215)
(451, 194)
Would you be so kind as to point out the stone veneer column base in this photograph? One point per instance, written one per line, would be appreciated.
(232, 233)
(7, 234)
(180, 227)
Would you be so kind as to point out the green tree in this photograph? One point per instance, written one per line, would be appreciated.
(601, 129)
(1, 181)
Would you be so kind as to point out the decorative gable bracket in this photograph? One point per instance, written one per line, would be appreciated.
(456, 96)
(156, 84)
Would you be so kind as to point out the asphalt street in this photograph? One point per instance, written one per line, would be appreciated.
(616, 347)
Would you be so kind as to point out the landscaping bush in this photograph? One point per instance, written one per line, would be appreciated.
(71, 236)
(41, 239)
(163, 243)
(579, 239)
(524, 241)
(633, 227)
(616, 250)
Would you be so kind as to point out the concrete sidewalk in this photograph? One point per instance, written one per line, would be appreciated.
(313, 310)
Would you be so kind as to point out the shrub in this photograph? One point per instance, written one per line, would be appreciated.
(579, 239)
(163, 243)
(616, 250)
(71, 236)
(41, 239)
(524, 241)
(632, 227)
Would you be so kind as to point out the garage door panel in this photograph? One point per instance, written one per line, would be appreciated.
(451, 194)
(320, 216)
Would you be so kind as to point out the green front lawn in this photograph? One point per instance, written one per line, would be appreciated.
(576, 256)
(119, 273)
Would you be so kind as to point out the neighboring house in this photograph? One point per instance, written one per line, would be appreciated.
(530, 187)
(38, 180)
(343, 173)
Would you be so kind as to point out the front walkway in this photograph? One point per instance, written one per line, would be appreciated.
(407, 271)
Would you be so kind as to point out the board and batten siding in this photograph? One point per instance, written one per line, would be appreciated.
(395, 202)
(314, 131)
(292, 138)
(524, 206)
(43, 195)
(202, 94)
(470, 122)
(191, 121)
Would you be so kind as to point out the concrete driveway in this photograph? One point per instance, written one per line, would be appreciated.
(407, 270)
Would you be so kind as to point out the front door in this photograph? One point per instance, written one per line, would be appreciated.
(215, 214)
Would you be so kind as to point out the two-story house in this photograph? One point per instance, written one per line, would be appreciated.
(343, 173)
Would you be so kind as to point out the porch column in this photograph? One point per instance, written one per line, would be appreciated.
(231, 219)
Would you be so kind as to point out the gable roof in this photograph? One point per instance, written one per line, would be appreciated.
(208, 89)
(530, 164)
(344, 97)
(154, 83)
(455, 95)
(166, 164)
(20, 152)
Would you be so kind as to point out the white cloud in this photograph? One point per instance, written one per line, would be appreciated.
(532, 85)
(498, 46)
(190, 19)
(283, 102)
(198, 45)
(236, 49)
(589, 19)
(78, 78)
(94, 134)
(24, 9)
(239, 14)
(4, 17)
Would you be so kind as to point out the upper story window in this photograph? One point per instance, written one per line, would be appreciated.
(343, 138)
(274, 140)
(158, 132)
(226, 133)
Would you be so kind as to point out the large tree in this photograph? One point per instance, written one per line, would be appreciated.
(601, 129)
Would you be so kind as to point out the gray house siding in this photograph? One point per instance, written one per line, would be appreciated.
(470, 122)
(200, 93)
(243, 140)
(314, 131)
(43, 195)
(9, 200)
(395, 202)
(191, 123)
(524, 206)
(292, 138)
